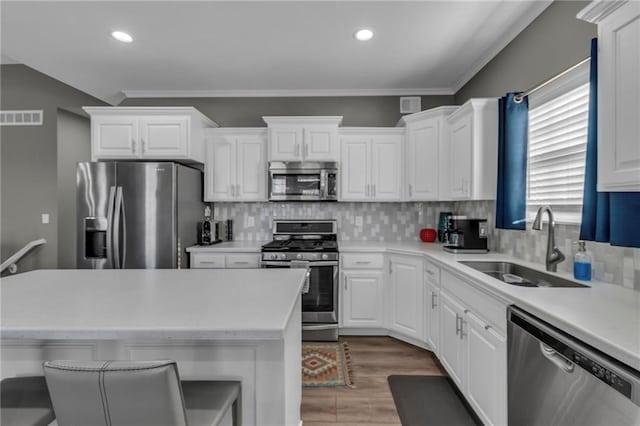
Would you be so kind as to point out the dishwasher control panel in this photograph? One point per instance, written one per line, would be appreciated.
(603, 373)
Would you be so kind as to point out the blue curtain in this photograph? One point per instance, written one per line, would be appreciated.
(511, 203)
(606, 216)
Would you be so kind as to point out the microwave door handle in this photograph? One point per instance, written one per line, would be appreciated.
(110, 214)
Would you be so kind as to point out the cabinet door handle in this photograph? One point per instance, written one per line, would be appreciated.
(345, 283)
(410, 190)
(374, 190)
(305, 149)
(458, 325)
(297, 149)
(462, 322)
(433, 300)
(142, 148)
(238, 190)
(390, 267)
(487, 327)
(430, 272)
(466, 311)
(133, 146)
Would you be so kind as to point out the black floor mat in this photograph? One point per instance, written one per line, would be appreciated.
(430, 400)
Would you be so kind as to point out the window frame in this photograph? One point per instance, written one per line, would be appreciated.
(572, 80)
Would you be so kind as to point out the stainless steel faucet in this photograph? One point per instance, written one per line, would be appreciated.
(554, 255)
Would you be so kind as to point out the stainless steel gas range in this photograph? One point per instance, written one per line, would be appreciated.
(310, 244)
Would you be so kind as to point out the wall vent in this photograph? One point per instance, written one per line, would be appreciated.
(21, 118)
(410, 104)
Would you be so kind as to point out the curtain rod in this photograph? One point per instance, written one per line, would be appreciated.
(520, 96)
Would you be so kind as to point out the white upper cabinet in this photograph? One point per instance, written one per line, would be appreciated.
(148, 133)
(618, 93)
(426, 154)
(473, 151)
(371, 166)
(303, 138)
(236, 165)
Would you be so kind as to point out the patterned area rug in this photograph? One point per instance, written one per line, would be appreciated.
(326, 364)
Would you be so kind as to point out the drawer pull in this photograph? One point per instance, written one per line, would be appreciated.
(487, 327)
(430, 272)
(466, 311)
(363, 262)
(207, 262)
(241, 262)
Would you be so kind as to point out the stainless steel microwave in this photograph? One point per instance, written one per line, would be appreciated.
(303, 181)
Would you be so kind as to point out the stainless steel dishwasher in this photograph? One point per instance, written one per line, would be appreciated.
(554, 379)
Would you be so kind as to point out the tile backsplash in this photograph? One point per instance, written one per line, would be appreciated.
(403, 221)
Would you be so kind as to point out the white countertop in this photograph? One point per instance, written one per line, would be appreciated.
(212, 304)
(606, 316)
(230, 247)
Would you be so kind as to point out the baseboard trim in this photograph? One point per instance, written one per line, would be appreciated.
(357, 331)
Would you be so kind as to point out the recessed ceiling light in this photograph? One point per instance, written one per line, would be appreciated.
(364, 34)
(122, 36)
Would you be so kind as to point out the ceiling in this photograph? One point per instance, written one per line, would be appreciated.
(261, 48)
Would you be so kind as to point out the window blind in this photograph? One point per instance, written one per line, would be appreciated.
(557, 150)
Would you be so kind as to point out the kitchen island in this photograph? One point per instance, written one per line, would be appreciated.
(217, 324)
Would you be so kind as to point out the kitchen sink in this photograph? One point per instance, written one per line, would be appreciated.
(514, 274)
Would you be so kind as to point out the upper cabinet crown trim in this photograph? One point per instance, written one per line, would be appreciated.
(597, 10)
(237, 130)
(429, 113)
(471, 104)
(303, 120)
(134, 110)
(372, 130)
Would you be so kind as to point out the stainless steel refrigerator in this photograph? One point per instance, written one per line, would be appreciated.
(134, 215)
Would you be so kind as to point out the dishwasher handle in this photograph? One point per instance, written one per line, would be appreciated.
(553, 356)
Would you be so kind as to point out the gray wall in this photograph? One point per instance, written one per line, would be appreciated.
(74, 145)
(553, 42)
(29, 170)
(248, 112)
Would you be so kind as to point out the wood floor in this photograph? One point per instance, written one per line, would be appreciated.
(373, 360)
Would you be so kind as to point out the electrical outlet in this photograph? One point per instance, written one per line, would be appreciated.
(359, 221)
(251, 221)
(45, 218)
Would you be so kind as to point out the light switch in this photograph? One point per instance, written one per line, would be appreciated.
(251, 221)
(45, 218)
(359, 221)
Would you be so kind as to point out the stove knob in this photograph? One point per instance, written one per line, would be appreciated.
(325, 256)
(299, 256)
(273, 256)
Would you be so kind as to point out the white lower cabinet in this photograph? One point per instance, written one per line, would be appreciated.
(220, 260)
(473, 349)
(431, 320)
(406, 289)
(362, 299)
(486, 388)
(451, 344)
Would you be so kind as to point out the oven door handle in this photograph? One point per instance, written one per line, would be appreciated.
(307, 282)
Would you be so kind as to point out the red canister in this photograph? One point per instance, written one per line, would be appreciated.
(428, 235)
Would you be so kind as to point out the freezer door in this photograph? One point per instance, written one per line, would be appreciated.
(95, 194)
(145, 219)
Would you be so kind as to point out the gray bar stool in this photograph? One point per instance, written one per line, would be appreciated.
(138, 393)
(25, 402)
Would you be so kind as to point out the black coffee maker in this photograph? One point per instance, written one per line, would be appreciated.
(466, 235)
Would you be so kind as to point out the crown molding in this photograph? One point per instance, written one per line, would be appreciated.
(597, 10)
(534, 11)
(284, 93)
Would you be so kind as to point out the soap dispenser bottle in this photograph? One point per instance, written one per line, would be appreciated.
(582, 263)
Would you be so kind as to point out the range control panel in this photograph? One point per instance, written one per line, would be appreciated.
(604, 374)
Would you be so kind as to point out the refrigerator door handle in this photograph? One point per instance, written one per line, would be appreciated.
(110, 212)
(117, 220)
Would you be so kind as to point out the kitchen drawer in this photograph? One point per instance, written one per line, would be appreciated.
(207, 260)
(243, 260)
(479, 303)
(432, 273)
(362, 261)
